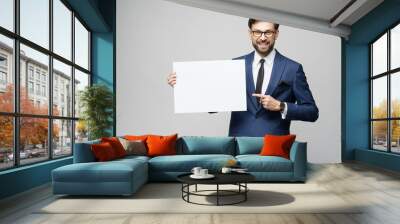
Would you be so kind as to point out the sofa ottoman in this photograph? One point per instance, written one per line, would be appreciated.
(88, 177)
(119, 177)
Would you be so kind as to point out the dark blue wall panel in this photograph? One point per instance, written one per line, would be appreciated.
(357, 99)
(379, 159)
(102, 58)
(356, 84)
(103, 52)
(24, 178)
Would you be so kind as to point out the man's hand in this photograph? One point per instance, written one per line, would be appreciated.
(171, 79)
(268, 102)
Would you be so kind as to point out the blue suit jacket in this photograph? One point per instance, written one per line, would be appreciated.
(287, 84)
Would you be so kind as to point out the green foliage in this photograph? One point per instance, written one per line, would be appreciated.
(96, 102)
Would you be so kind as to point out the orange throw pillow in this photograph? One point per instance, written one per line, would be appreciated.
(103, 152)
(116, 145)
(161, 145)
(277, 145)
(136, 137)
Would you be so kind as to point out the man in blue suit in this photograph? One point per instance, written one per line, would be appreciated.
(277, 89)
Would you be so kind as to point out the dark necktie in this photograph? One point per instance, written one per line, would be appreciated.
(260, 77)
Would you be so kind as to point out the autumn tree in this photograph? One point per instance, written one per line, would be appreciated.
(6, 122)
(380, 127)
(395, 123)
(33, 131)
(81, 129)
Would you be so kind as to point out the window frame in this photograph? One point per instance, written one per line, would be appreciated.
(5, 59)
(16, 114)
(3, 77)
(388, 74)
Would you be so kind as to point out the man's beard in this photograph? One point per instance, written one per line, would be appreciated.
(271, 47)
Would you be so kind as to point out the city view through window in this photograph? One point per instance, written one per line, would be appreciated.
(30, 129)
(385, 91)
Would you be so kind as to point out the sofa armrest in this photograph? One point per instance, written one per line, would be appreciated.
(83, 152)
(298, 155)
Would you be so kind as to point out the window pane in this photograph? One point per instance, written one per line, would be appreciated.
(33, 139)
(81, 45)
(6, 74)
(35, 21)
(81, 131)
(379, 135)
(7, 14)
(62, 89)
(395, 136)
(81, 81)
(6, 142)
(379, 100)
(395, 94)
(62, 138)
(62, 29)
(395, 47)
(379, 55)
(34, 81)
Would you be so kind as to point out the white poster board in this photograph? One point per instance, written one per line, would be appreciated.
(210, 86)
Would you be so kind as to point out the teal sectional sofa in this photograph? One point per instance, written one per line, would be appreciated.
(125, 176)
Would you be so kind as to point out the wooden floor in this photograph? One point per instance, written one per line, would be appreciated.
(377, 188)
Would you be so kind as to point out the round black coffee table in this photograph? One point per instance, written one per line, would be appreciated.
(238, 179)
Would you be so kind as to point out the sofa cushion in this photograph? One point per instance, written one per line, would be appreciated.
(83, 152)
(111, 171)
(133, 158)
(161, 145)
(116, 145)
(196, 145)
(136, 137)
(277, 145)
(134, 147)
(103, 152)
(257, 163)
(185, 163)
(249, 145)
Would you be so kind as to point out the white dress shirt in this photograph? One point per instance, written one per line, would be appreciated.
(268, 65)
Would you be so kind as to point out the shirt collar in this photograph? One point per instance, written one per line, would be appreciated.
(269, 59)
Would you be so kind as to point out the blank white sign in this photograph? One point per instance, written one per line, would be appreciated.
(210, 86)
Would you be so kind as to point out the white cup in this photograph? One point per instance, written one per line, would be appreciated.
(226, 170)
(196, 171)
(203, 172)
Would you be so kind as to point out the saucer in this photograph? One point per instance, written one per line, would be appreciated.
(208, 176)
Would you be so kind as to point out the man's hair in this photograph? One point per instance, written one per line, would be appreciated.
(252, 21)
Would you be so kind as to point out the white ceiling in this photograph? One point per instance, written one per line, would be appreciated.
(319, 9)
(314, 15)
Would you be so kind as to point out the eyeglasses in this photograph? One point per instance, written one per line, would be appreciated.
(258, 33)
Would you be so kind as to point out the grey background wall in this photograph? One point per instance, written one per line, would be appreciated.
(152, 34)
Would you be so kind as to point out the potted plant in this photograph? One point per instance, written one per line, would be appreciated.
(96, 102)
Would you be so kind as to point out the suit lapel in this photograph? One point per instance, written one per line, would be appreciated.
(276, 73)
(249, 78)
